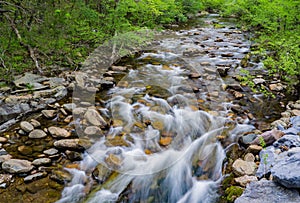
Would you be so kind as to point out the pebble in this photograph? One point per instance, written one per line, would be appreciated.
(51, 151)
(241, 167)
(41, 161)
(35, 176)
(26, 126)
(37, 133)
(17, 166)
(57, 132)
(49, 113)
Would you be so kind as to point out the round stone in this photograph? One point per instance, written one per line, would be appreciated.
(35, 134)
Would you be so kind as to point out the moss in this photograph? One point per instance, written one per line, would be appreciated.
(233, 192)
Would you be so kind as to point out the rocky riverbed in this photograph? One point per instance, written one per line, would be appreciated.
(46, 130)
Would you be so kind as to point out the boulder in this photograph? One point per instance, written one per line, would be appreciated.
(17, 166)
(269, 137)
(288, 141)
(267, 157)
(267, 191)
(286, 171)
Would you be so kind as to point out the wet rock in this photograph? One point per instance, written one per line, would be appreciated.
(195, 75)
(41, 161)
(26, 126)
(5, 179)
(73, 156)
(49, 113)
(192, 52)
(269, 137)
(17, 166)
(3, 139)
(68, 144)
(254, 149)
(227, 55)
(57, 132)
(61, 176)
(101, 173)
(35, 176)
(113, 161)
(79, 111)
(223, 71)
(3, 152)
(285, 171)
(165, 141)
(241, 167)
(118, 68)
(237, 94)
(5, 157)
(116, 141)
(93, 130)
(93, 117)
(25, 150)
(37, 134)
(247, 139)
(35, 123)
(210, 70)
(267, 157)
(51, 151)
(69, 107)
(267, 191)
(244, 180)
(288, 141)
(276, 87)
(259, 81)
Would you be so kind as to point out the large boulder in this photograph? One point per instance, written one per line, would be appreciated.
(286, 170)
(268, 191)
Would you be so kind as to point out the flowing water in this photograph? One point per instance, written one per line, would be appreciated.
(168, 113)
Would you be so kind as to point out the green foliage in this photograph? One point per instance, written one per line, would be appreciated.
(277, 26)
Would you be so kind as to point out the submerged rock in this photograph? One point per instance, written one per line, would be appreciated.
(17, 166)
(267, 191)
(49, 113)
(34, 177)
(93, 117)
(68, 144)
(26, 126)
(59, 132)
(37, 133)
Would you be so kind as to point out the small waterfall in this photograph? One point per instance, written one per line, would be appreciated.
(168, 150)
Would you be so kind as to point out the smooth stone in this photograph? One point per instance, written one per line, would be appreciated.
(249, 157)
(3, 140)
(68, 144)
(93, 117)
(254, 149)
(165, 141)
(93, 130)
(276, 87)
(259, 81)
(286, 171)
(269, 137)
(244, 180)
(247, 139)
(69, 107)
(35, 176)
(37, 133)
(241, 167)
(17, 166)
(267, 191)
(26, 126)
(41, 161)
(57, 132)
(35, 123)
(51, 151)
(79, 111)
(61, 176)
(118, 68)
(49, 113)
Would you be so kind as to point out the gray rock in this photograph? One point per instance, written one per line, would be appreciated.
(41, 161)
(37, 133)
(286, 171)
(51, 151)
(49, 113)
(259, 81)
(295, 121)
(249, 157)
(61, 176)
(35, 176)
(247, 139)
(26, 126)
(241, 167)
(35, 123)
(17, 166)
(69, 107)
(267, 157)
(59, 132)
(4, 158)
(93, 130)
(68, 144)
(267, 191)
(288, 141)
(3, 152)
(93, 117)
(29, 78)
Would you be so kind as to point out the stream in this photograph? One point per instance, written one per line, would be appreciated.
(156, 126)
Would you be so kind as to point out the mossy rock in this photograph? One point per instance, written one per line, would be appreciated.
(233, 192)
